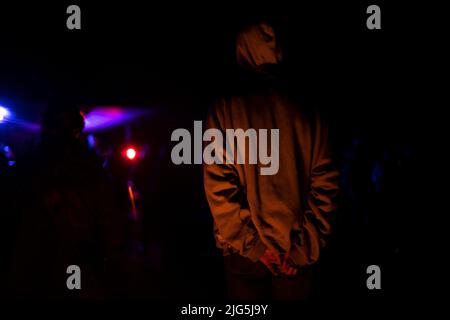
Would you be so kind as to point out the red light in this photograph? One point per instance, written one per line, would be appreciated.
(131, 153)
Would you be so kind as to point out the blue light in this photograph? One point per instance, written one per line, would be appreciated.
(91, 141)
(11, 163)
(3, 113)
(7, 149)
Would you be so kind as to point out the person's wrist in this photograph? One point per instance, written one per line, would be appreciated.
(257, 251)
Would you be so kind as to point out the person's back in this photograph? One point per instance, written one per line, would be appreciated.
(286, 210)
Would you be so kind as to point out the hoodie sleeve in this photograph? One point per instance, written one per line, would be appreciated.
(228, 205)
(321, 199)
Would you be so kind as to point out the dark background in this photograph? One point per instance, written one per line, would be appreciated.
(177, 59)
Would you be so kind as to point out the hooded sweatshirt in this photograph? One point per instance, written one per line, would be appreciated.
(287, 212)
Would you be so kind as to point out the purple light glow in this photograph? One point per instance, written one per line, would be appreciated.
(101, 118)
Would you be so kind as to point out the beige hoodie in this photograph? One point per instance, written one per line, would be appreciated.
(290, 211)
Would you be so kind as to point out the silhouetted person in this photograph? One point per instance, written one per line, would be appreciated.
(68, 217)
(271, 228)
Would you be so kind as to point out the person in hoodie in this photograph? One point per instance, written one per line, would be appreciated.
(271, 228)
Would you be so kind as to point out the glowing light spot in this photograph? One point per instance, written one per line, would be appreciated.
(91, 141)
(131, 153)
(3, 113)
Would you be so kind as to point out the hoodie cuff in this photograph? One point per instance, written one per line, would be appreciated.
(256, 251)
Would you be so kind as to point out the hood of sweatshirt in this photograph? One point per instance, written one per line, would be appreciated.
(257, 49)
